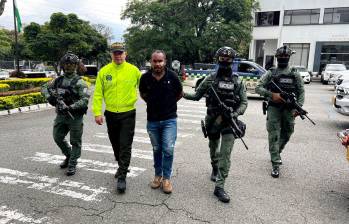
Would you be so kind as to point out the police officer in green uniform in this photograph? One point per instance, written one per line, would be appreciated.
(232, 91)
(280, 116)
(69, 94)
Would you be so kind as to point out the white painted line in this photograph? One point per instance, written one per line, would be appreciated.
(85, 164)
(192, 111)
(181, 135)
(9, 216)
(183, 120)
(143, 154)
(51, 185)
(203, 108)
(191, 115)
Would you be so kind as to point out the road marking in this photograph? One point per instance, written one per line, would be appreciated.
(52, 185)
(86, 164)
(191, 115)
(192, 111)
(143, 154)
(183, 120)
(203, 108)
(8, 216)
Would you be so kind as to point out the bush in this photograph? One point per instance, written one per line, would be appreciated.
(20, 84)
(10, 102)
(4, 87)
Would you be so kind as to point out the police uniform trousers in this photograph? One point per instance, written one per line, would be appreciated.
(280, 126)
(64, 124)
(221, 142)
(121, 128)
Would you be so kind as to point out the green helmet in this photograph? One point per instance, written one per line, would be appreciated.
(69, 57)
(283, 51)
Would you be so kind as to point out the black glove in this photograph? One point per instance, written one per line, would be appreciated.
(62, 107)
(52, 100)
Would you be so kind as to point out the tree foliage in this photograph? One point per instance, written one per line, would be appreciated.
(5, 43)
(190, 31)
(49, 42)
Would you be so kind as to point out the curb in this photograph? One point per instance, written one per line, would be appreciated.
(31, 108)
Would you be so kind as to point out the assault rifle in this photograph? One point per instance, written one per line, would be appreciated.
(233, 122)
(61, 106)
(291, 99)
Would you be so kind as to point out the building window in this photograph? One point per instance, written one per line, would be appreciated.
(267, 18)
(302, 17)
(336, 15)
(300, 58)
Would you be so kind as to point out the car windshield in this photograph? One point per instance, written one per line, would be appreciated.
(338, 67)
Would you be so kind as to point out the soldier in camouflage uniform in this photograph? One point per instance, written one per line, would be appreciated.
(69, 94)
(280, 116)
(232, 92)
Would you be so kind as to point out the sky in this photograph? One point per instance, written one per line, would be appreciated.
(107, 12)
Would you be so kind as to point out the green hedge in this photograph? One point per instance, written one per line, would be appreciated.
(10, 102)
(4, 87)
(20, 84)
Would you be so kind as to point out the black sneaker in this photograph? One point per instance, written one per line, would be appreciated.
(221, 195)
(214, 174)
(65, 163)
(71, 170)
(275, 172)
(121, 185)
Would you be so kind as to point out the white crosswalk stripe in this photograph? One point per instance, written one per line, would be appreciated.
(192, 111)
(183, 120)
(142, 154)
(197, 107)
(85, 164)
(52, 185)
(8, 215)
(191, 115)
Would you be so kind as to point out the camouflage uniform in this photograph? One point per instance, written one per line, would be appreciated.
(280, 116)
(236, 99)
(74, 93)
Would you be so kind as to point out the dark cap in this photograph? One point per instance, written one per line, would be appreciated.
(117, 47)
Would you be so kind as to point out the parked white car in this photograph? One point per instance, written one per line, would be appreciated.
(331, 69)
(335, 75)
(4, 74)
(304, 73)
(341, 100)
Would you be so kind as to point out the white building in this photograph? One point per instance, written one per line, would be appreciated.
(318, 30)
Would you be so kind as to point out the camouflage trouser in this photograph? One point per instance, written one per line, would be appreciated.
(220, 156)
(62, 125)
(280, 126)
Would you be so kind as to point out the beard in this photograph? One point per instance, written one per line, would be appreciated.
(224, 68)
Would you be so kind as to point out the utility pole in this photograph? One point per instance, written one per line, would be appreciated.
(16, 37)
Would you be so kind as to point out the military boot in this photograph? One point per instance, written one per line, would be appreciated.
(275, 172)
(214, 173)
(65, 163)
(221, 195)
(121, 185)
(71, 170)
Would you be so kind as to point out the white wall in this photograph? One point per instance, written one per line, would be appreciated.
(301, 33)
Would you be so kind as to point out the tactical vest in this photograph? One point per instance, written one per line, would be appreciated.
(286, 82)
(70, 95)
(227, 89)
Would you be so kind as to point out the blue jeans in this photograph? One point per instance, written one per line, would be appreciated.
(163, 135)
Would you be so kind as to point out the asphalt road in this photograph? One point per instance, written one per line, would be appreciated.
(313, 186)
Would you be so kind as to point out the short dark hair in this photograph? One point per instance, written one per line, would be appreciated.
(159, 52)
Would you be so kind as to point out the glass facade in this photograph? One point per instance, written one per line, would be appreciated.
(336, 15)
(301, 17)
(267, 18)
(334, 53)
(301, 57)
